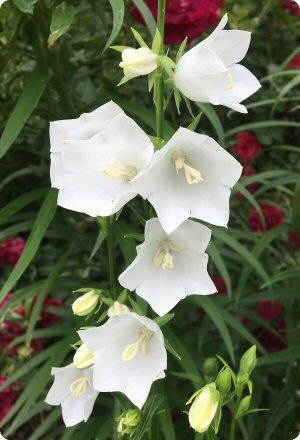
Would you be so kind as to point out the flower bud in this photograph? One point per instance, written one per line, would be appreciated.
(137, 62)
(24, 351)
(128, 422)
(223, 381)
(204, 408)
(117, 309)
(243, 406)
(83, 358)
(210, 366)
(248, 362)
(86, 303)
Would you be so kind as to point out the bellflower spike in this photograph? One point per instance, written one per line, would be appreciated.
(170, 267)
(209, 71)
(95, 158)
(72, 389)
(129, 355)
(191, 176)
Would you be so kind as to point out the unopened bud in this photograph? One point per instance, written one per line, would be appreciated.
(204, 408)
(223, 381)
(83, 358)
(243, 406)
(128, 422)
(248, 362)
(210, 366)
(117, 309)
(86, 303)
(137, 62)
(24, 352)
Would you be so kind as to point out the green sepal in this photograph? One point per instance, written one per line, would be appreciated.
(194, 124)
(124, 80)
(163, 320)
(123, 296)
(181, 49)
(157, 42)
(158, 143)
(119, 48)
(171, 349)
(165, 62)
(139, 38)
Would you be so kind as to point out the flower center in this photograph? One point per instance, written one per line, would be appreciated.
(124, 172)
(231, 82)
(78, 387)
(192, 175)
(163, 257)
(142, 342)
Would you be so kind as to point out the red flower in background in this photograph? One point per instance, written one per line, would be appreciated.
(270, 341)
(11, 251)
(184, 18)
(268, 310)
(273, 217)
(291, 7)
(7, 398)
(295, 62)
(294, 240)
(219, 283)
(249, 171)
(246, 148)
(48, 319)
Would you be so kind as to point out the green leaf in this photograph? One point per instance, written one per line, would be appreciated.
(147, 15)
(118, 17)
(27, 102)
(261, 125)
(194, 124)
(171, 349)
(153, 404)
(62, 17)
(39, 229)
(288, 355)
(214, 119)
(296, 210)
(26, 6)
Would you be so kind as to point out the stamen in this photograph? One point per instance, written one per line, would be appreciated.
(126, 172)
(78, 387)
(192, 175)
(142, 342)
(231, 82)
(163, 257)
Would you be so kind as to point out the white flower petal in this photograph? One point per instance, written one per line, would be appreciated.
(56, 170)
(63, 378)
(164, 288)
(231, 46)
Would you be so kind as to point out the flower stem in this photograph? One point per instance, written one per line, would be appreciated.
(110, 253)
(233, 420)
(159, 86)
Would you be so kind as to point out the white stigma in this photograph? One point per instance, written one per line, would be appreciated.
(78, 387)
(192, 175)
(142, 342)
(231, 82)
(163, 257)
(124, 172)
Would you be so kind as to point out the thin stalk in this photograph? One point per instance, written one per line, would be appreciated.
(233, 421)
(159, 86)
(110, 253)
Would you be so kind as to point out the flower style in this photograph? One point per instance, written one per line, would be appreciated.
(170, 267)
(189, 18)
(129, 355)
(190, 176)
(72, 389)
(138, 62)
(95, 158)
(209, 71)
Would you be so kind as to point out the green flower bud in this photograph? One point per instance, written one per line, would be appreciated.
(86, 303)
(128, 422)
(24, 351)
(248, 362)
(243, 406)
(223, 381)
(210, 366)
(204, 407)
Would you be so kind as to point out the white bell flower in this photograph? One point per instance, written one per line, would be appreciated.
(137, 62)
(170, 267)
(1, 436)
(1, 3)
(73, 390)
(95, 158)
(191, 176)
(209, 71)
(129, 355)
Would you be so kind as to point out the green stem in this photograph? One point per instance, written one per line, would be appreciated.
(233, 420)
(110, 253)
(159, 86)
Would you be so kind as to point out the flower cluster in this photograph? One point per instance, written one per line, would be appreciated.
(189, 18)
(273, 216)
(8, 396)
(11, 250)
(100, 162)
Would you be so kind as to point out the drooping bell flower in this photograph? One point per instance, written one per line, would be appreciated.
(129, 355)
(170, 267)
(95, 158)
(191, 176)
(209, 72)
(73, 390)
